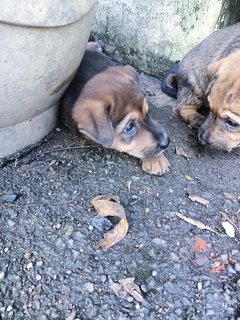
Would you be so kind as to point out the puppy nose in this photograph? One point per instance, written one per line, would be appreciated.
(202, 137)
(164, 141)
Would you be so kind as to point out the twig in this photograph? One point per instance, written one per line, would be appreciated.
(67, 148)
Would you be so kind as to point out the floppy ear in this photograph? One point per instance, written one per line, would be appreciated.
(212, 74)
(213, 68)
(92, 119)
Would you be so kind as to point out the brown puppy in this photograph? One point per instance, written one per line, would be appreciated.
(112, 110)
(221, 129)
(189, 80)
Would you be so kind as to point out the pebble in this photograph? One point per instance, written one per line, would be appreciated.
(9, 308)
(38, 277)
(199, 286)
(103, 278)
(2, 274)
(159, 242)
(9, 197)
(101, 224)
(237, 266)
(88, 286)
(29, 265)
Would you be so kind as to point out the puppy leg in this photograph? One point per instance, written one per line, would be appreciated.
(157, 166)
(189, 114)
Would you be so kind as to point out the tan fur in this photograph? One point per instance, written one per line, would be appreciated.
(221, 129)
(108, 104)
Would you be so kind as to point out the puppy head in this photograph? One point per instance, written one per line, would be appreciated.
(221, 129)
(112, 111)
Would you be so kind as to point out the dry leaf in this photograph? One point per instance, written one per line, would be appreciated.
(125, 286)
(109, 206)
(229, 229)
(198, 199)
(196, 223)
(181, 152)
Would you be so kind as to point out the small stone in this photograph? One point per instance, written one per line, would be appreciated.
(210, 313)
(130, 299)
(237, 266)
(71, 316)
(101, 224)
(29, 265)
(159, 242)
(38, 277)
(154, 273)
(103, 278)
(89, 287)
(39, 263)
(9, 197)
(9, 308)
(27, 255)
(2, 274)
(6, 250)
(199, 286)
(230, 270)
(224, 257)
(174, 256)
(137, 306)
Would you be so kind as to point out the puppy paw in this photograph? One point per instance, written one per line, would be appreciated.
(190, 115)
(156, 166)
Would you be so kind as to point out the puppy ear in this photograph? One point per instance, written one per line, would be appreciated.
(213, 68)
(212, 74)
(92, 119)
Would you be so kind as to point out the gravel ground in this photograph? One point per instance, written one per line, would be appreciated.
(49, 265)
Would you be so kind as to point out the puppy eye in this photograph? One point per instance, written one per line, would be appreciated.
(231, 123)
(130, 128)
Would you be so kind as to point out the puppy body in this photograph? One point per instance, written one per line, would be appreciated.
(189, 79)
(107, 104)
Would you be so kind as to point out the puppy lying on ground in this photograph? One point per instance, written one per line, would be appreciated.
(209, 76)
(107, 104)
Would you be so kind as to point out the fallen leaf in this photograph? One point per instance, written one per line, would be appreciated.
(196, 223)
(200, 245)
(181, 152)
(109, 206)
(125, 286)
(198, 199)
(188, 178)
(229, 229)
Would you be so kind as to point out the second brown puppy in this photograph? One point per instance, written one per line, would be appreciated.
(111, 109)
(209, 76)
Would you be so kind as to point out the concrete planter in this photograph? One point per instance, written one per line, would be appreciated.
(152, 35)
(42, 44)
